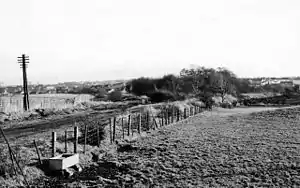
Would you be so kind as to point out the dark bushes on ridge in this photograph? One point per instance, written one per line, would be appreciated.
(161, 95)
(115, 96)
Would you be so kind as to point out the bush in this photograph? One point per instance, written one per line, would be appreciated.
(101, 93)
(207, 98)
(115, 96)
(142, 86)
(226, 105)
(161, 96)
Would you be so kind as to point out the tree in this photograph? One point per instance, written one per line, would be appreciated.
(196, 77)
(169, 82)
(224, 83)
(142, 86)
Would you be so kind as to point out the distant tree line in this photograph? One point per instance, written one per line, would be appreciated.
(200, 82)
(197, 82)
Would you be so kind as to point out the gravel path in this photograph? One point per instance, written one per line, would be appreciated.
(224, 148)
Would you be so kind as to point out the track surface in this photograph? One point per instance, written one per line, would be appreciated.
(223, 148)
(33, 127)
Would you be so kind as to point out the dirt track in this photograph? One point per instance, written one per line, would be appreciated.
(225, 148)
(33, 127)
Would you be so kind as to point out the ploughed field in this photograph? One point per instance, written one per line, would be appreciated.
(224, 148)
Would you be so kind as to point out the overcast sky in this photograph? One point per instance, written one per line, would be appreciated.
(102, 40)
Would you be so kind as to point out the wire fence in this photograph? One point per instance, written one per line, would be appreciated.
(117, 128)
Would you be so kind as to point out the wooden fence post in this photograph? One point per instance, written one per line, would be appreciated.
(66, 141)
(38, 152)
(187, 113)
(133, 118)
(114, 129)
(123, 131)
(129, 125)
(155, 123)
(166, 117)
(53, 144)
(110, 130)
(75, 139)
(85, 138)
(148, 120)
(140, 123)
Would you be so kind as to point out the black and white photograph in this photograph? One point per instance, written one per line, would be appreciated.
(149, 93)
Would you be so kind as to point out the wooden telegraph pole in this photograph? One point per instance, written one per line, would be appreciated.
(23, 61)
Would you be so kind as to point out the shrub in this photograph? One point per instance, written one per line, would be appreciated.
(115, 96)
(162, 95)
(142, 86)
(226, 105)
(101, 93)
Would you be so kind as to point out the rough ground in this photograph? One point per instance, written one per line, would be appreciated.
(225, 148)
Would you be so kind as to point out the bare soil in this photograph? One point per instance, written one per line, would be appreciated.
(223, 148)
(33, 127)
